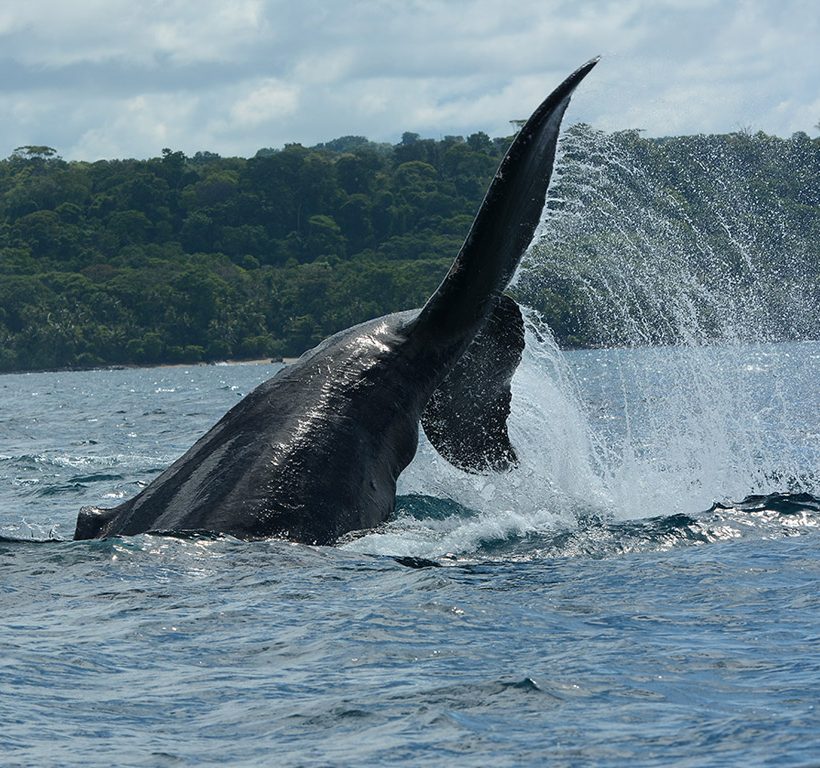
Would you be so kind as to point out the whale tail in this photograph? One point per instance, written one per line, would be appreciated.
(503, 227)
(466, 417)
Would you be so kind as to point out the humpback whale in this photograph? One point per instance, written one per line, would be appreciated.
(315, 451)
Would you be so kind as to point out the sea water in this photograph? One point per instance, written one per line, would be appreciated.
(644, 588)
(608, 601)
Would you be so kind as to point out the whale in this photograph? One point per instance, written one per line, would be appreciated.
(315, 452)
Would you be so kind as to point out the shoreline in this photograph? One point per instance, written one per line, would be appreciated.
(137, 366)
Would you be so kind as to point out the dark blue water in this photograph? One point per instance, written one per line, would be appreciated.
(609, 602)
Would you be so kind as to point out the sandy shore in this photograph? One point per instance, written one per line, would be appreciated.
(119, 367)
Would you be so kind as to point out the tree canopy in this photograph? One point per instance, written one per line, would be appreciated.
(185, 259)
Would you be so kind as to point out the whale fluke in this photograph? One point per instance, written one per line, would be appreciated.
(466, 417)
(505, 223)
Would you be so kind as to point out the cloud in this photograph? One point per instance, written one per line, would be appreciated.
(153, 120)
(53, 34)
(98, 78)
(270, 100)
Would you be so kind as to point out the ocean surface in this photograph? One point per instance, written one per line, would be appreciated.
(644, 589)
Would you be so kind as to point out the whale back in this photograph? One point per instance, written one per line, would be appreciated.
(308, 455)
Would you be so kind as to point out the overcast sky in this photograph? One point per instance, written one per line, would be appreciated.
(125, 78)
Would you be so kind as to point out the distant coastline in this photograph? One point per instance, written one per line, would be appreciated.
(137, 366)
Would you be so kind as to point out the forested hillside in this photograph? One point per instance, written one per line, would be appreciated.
(185, 259)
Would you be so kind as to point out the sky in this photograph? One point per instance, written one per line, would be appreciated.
(127, 78)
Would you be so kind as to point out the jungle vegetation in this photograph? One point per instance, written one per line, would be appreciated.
(203, 258)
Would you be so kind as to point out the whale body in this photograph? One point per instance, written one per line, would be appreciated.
(315, 451)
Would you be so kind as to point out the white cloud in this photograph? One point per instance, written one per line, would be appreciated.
(270, 100)
(137, 126)
(53, 33)
(93, 77)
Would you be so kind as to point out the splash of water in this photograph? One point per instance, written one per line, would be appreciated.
(696, 269)
(691, 286)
